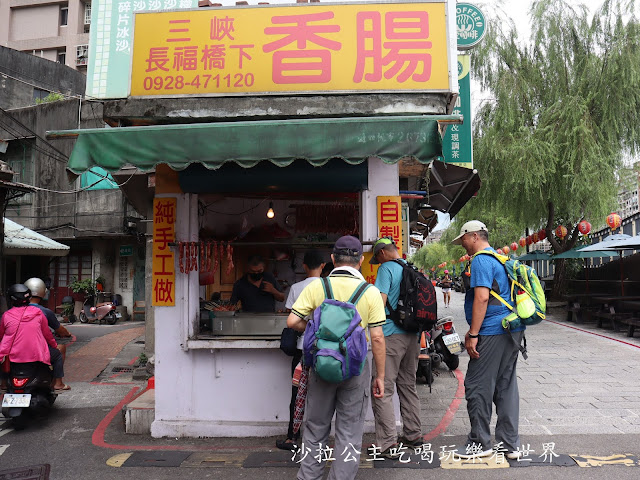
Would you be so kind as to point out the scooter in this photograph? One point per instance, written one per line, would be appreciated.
(102, 310)
(440, 344)
(29, 392)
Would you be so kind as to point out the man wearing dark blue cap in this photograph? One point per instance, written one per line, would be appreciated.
(348, 399)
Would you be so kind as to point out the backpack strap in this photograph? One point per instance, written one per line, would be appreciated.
(495, 294)
(326, 284)
(357, 294)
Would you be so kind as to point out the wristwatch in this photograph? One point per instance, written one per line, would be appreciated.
(474, 336)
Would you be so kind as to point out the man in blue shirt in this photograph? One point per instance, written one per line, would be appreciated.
(491, 374)
(402, 350)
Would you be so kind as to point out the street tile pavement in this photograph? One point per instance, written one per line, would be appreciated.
(86, 363)
(578, 379)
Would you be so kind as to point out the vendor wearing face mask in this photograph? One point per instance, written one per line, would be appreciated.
(257, 290)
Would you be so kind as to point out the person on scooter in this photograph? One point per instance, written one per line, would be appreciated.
(38, 291)
(24, 332)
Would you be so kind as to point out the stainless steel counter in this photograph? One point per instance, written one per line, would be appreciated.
(248, 324)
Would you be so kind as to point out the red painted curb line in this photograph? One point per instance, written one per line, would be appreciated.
(593, 333)
(451, 410)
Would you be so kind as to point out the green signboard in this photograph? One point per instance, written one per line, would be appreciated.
(110, 42)
(126, 250)
(470, 25)
(457, 147)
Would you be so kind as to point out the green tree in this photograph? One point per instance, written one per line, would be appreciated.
(563, 111)
(52, 97)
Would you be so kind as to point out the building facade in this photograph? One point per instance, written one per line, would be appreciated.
(54, 30)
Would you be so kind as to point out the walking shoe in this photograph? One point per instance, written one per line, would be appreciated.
(515, 455)
(418, 442)
(391, 453)
(472, 451)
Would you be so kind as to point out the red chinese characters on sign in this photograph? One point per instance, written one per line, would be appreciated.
(192, 57)
(294, 66)
(163, 259)
(390, 219)
(408, 46)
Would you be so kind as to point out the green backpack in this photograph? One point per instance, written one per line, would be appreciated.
(526, 293)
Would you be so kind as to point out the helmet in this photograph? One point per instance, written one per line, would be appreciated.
(19, 295)
(37, 287)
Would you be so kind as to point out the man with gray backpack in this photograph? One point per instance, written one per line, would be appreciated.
(335, 348)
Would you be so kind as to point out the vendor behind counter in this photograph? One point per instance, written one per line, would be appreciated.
(257, 290)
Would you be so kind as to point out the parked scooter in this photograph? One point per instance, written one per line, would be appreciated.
(29, 392)
(440, 344)
(92, 311)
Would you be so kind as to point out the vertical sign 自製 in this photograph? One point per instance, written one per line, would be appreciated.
(369, 271)
(390, 219)
(163, 262)
(457, 146)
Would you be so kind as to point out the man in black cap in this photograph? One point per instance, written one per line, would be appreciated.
(348, 399)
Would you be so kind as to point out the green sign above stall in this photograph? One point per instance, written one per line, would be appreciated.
(470, 25)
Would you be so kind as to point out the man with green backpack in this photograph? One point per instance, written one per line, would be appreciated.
(493, 349)
(335, 348)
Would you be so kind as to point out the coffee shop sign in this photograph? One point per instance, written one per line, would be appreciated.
(470, 24)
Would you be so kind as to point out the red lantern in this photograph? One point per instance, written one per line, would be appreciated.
(528, 240)
(506, 250)
(584, 227)
(542, 234)
(561, 232)
(523, 242)
(613, 220)
(535, 238)
(514, 246)
(466, 258)
(500, 251)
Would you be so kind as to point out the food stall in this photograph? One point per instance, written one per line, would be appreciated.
(316, 146)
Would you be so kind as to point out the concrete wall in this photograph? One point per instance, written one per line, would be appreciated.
(21, 72)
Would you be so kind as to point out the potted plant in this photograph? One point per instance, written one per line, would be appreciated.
(86, 287)
(67, 312)
(100, 283)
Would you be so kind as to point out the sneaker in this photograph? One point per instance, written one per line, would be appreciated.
(418, 442)
(391, 453)
(515, 455)
(472, 451)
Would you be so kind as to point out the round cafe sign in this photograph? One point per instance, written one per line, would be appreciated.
(470, 25)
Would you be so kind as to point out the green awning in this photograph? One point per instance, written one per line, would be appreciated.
(247, 143)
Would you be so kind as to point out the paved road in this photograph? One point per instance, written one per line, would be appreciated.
(579, 396)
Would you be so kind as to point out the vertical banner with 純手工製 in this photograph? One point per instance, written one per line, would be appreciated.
(390, 219)
(163, 261)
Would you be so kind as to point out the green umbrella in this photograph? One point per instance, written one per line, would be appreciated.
(534, 255)
(577, 252)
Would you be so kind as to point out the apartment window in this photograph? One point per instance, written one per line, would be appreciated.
(62, 57)
(82, 54)
(64, 16)
(87, 13)
(39, 94)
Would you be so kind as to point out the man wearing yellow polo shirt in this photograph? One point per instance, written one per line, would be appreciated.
(348, 399)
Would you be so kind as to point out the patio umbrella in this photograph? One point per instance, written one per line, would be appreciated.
(534, 255)
(578, 252)
(629, 243)
(609, 243)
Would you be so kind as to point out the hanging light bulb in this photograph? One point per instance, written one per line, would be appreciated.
(270, 212)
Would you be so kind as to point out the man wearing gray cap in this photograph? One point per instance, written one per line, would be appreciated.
(493, 351)
(348, 399)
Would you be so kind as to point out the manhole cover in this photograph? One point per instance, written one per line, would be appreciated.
(122, 369)
(35, 472)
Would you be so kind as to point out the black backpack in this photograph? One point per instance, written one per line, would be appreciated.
(417, 308)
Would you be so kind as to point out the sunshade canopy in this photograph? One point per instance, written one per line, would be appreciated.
(579, 253)
(630, 243)
(607, 243)
(247, 143)
(19, 240)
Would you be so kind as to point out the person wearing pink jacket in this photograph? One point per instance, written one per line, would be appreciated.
(25, 335)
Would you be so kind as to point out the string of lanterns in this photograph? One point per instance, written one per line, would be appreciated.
(584, 227)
